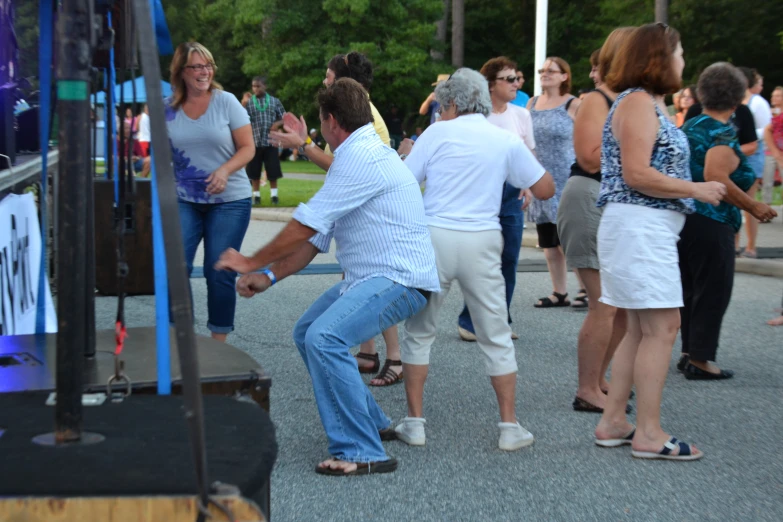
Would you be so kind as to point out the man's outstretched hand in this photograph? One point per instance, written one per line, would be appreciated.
(251, 284)
(233, 260)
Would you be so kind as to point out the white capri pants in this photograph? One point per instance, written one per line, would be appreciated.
(472, 259)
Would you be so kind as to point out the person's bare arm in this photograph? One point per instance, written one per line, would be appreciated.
(635, 124)
(588, 131)
(288, 241)
(250, 284)
(294, 135)
(719, 163)
(425, 106)
(544, 188)
(246, 149)
(573, 107)
(749, 149)
(772, 147)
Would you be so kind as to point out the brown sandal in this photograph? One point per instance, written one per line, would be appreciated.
(387, 375)
(367, 357)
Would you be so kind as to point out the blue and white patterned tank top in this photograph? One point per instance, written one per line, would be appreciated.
(671, 156)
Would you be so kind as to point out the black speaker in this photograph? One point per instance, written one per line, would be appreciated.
(138, 240)
(27, 135)
(7, 132)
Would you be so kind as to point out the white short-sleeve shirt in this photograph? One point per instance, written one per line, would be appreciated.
(517, 120)
(465, 162)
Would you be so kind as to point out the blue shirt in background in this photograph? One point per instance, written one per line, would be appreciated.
(521, 99)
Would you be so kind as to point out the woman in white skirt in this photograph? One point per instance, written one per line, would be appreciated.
(465, 161)
(646, 191)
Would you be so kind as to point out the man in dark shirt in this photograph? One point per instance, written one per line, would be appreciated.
(394, 124)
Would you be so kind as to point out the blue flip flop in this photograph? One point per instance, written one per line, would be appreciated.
(687, 452)
(613, 443)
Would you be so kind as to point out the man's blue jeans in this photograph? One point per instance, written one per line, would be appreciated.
(221, 226)
(325, 332)
(512, 226)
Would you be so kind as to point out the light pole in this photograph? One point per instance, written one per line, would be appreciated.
(662, 11)
(542, 13)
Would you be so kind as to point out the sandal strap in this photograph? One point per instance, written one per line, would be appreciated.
(387, 374)
(560, 297)
(367, 356)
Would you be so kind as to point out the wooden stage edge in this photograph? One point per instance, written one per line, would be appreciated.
(123, 509)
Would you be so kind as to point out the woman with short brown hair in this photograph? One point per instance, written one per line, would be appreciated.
(646, 190)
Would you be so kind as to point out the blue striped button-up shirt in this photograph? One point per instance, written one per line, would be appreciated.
(372, 206)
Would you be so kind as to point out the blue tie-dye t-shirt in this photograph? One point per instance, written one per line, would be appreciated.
(199, 147)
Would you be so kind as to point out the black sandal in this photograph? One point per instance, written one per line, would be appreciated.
(546, 302)
(367, 357)
(388, 375)
(362, 468)
(580, 301)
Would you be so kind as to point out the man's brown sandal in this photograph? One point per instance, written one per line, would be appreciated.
(367, 357)
(362, 468)
(387, 375)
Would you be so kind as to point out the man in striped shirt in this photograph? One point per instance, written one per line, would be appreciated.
(372, 206)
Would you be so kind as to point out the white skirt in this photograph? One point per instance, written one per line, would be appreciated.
(637, 252)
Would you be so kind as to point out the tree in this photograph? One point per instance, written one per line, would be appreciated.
(396, 36)
(440, 33)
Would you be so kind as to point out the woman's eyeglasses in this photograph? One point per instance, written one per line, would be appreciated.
(549, 71)
(200, 67)
(509, 79)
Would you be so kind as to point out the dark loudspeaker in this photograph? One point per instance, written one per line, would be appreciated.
(138, 240)
(27, 135)
(7, 133)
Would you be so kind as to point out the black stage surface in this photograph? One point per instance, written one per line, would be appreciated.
(146, 451)
(27, 363)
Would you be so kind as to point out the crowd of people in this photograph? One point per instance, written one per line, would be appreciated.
(642, 204)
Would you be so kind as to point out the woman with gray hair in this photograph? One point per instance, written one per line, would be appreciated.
(706, 246)
(465, 160)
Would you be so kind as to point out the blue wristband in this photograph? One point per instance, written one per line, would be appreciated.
(270, 275)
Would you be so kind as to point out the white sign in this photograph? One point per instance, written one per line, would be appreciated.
(20, 257)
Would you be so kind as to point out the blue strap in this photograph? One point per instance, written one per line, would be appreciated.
(162, 340)
(46, 20)
(668, 446)
(162, 35)
(110, 118)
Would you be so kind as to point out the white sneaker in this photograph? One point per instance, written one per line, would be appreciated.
(513, 436)
(411, 431)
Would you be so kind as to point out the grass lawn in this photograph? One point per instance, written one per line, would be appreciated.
(301, 167)
(777, 195)
(291, 192)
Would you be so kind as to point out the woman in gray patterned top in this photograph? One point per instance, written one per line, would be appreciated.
(211, 142)
(553, 128)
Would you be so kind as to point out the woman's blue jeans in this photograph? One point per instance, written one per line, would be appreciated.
(221, 226)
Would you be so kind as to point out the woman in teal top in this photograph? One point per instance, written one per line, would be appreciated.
(706, 246)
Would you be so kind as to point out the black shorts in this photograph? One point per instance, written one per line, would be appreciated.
(265, 157)
(547, 235)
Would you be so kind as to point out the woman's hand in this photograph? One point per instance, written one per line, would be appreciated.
(233, 260)
(216, 182)
(763, 212)
(406, 146)
(710, 192)
(527, 196)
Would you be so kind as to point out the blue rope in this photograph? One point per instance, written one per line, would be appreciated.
(46, 21)
(110, 118)
(162, 320)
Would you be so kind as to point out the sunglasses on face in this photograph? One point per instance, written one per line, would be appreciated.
(509, 79)
(200, 67)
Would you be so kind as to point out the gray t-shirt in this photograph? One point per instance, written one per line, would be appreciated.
(200, 146)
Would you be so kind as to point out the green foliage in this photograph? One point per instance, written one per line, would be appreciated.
(291, 41)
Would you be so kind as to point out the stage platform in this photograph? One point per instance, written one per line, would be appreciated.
(28, 362)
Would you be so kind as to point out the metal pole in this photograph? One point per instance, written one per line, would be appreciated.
(542, 13)
(73, 77)
(662, 11)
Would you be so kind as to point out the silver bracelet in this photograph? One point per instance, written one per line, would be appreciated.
(403, 156)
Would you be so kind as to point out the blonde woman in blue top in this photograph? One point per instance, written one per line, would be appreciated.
(646, 191)
(706, 246)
